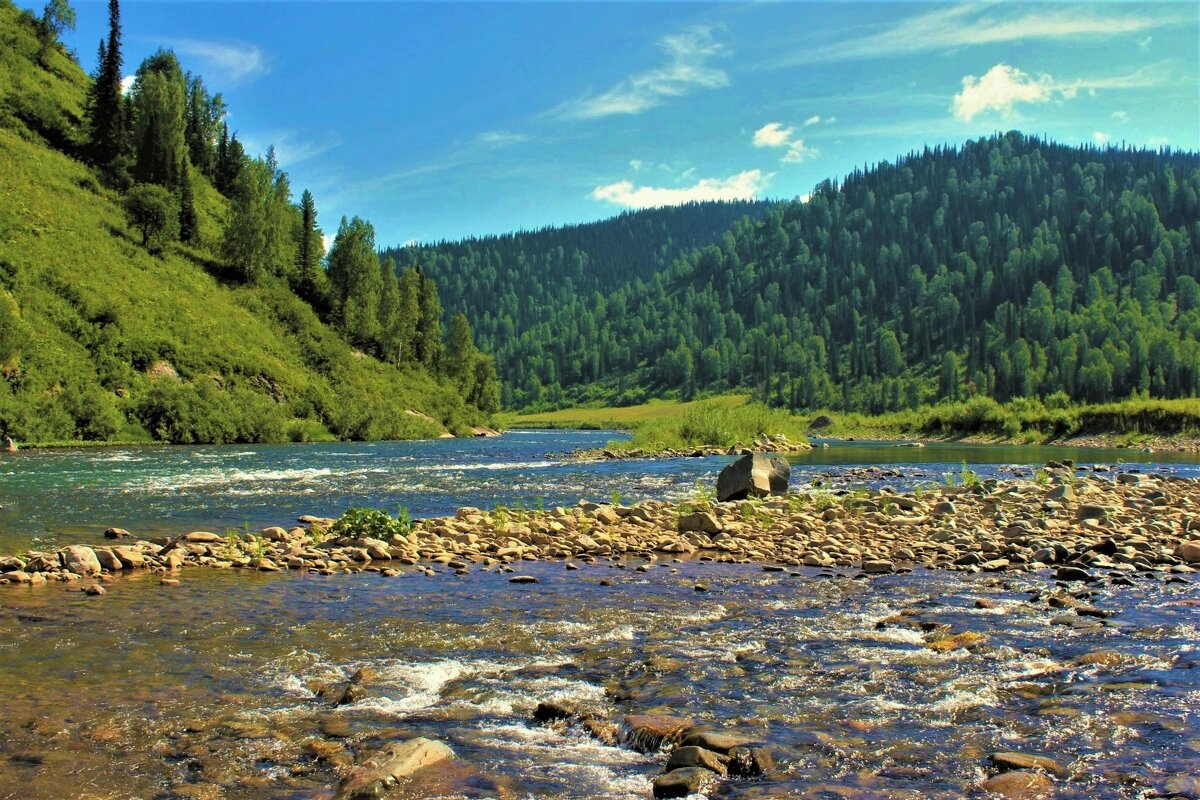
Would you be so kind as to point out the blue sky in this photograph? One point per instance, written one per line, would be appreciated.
(441, 120)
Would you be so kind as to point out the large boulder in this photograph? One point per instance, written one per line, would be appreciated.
(80, 560)
(753, 476)
(375, 776)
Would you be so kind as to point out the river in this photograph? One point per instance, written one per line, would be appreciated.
(205, 690)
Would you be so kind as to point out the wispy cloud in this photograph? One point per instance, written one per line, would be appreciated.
(774, 135)
(234, 61)
(817, 120)
(743, 185)
(1002, 87)
(502, 138)
(291, 148)
(687, 69)
(1121, 116)
(1100, 137)
(973, 24)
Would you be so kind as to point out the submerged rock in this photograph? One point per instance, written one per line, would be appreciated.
(648, 732)
(377, 774)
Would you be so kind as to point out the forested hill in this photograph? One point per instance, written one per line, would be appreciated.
(1010, 266)
(157, 282)
(505, 284)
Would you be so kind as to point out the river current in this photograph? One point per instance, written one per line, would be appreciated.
(206, 690)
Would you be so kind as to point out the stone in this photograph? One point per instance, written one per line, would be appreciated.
(750, 762)
(549, 711)
(377, 774)
(1073, 575)
(1190, 551)
(108, 559)
(957, 642)
(117, 533)
(878, 567)
(1091, 512)
(95, 590)
(753, 476)
(80, 560)
(692, 756)
(716, 741)
(1019, 785)
(1013, 761)
(700, 521)
(683, 782)
(201, 537)
(649, 732)
(130, 557)
(522, 579)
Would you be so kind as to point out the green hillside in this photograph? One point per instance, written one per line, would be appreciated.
(508, 285)
(1009, 267)
(100, 339)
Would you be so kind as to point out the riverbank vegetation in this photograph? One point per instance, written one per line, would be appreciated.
(738, 419)
(158, 283)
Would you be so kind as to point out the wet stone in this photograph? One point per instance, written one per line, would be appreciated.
(683, 782)
(1019, 785)
(691, 756)
(1014, 761)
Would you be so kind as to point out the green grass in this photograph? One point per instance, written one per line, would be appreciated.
(730, 419)
(92, 312)
(670, 424)
(624, 418)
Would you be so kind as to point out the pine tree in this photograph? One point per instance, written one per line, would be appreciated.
(429, 327)
(106, 104)
(311, 282)
(189, 225)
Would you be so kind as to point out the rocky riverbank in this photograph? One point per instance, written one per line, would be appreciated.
(777, 444)
(1111, 526)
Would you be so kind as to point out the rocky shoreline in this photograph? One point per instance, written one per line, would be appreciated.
(778, 444)
(1100, 525)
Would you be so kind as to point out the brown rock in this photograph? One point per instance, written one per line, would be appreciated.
(394, 761)
(1020, 785)
(648, 732)
(1013, 761)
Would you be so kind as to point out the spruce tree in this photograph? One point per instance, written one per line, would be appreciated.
(311, 282)
(107, 123)
(189, 225)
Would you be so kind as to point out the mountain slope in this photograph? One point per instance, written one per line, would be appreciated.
(1008, 267)
(99, 339)
(508, 284)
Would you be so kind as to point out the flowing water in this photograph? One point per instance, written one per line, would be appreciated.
(206, 690)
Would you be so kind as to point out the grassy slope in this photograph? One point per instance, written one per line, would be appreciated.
(96, 309)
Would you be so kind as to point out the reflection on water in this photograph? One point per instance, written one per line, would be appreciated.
(208, 687)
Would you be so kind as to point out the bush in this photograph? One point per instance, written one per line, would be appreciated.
(372, 523)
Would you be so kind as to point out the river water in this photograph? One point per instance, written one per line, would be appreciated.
(205, 690)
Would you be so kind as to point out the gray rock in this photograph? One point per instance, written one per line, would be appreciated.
(714, 740)
(750, 762)
(753, 475)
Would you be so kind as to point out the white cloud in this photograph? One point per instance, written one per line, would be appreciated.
(744, 185)
(637, 165)
(817, 120)
(1121, 116)
(798, 152)
(1002, 87)
(501, 138)
(232, 60)
(127, 83)
(772, 135)
(686, 69)
(327, 240)
(1100, 137)
(998, 90)
(972, 24)
(1144, 43)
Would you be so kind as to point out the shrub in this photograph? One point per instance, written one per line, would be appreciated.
(372, 523)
